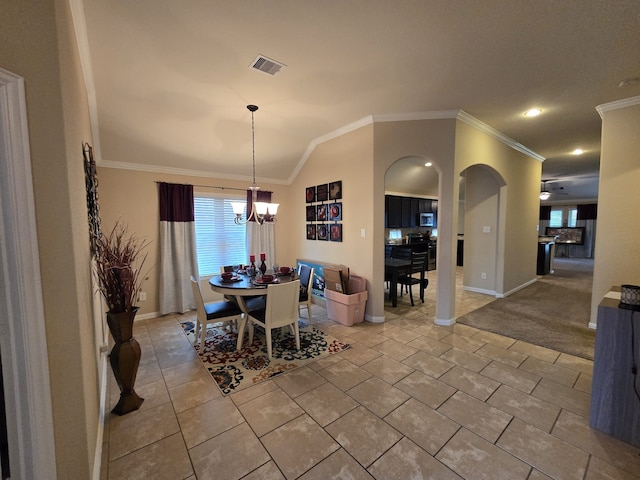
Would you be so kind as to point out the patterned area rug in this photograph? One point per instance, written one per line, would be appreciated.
(233, 370)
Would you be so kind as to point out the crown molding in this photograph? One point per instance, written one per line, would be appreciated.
(618, 104)
(483, 127)
(183, 171)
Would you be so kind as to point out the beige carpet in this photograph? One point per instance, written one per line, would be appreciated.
(553, 312)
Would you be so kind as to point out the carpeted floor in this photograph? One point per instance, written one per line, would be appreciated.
(234, 370)
(553, 312)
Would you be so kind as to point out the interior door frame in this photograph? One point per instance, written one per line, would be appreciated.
(23, 344)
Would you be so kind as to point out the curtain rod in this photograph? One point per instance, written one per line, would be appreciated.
(214, 186)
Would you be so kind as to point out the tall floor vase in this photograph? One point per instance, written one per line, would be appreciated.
(125, 359)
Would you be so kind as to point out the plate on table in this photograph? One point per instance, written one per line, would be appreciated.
(231, 280)
(259, 281)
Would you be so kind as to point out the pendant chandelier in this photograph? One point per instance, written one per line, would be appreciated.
(544, 193)
(258, 209)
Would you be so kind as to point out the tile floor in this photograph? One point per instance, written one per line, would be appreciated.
(409, 400)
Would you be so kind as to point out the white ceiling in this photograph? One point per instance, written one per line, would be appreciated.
(172, 79)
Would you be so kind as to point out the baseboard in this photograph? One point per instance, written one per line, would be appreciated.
(446, 322)
(373, 319)
(97, 460)
(480, 290)
(147, 316)
(514, 290)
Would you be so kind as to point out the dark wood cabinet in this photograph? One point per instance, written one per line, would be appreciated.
(404, 212)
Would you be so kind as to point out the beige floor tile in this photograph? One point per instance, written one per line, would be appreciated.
(387, 369)
(470, 382)
(339, 465)
(193, 393)
(428, 390)
(365, 338)
(535, 351)
(427, 363)
(528, 408)
(468, 360)
(154, 394)
(299, 381)
(231, 455)
(562, 375)
(537, 475)
(394, 349)
(475, 415)
(166, 459)
(401, 335)
(425, 427)
(344, 374)
(494, 339)
(584, 383)
(430, 345)
(568, 398)
(185, 372)
(208, 420)
(363, 435)
(140, 428)
(518, 379)
(468, 344)
(269, 411)
(462, 453)
(170, 357)
(406, 460)
(299, 445)
(543, 451)
(598, 469)
(255, 391)
(359, 354)
(575, 363)
(502, 355)
(268, 471)
(148, 373)
(326, 403)
(378, 396)
(574, 429)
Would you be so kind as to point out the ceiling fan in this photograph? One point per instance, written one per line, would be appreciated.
(545, 194)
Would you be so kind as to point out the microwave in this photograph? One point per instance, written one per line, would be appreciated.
(426, 220)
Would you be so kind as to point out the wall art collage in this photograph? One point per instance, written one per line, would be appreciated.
(324, 212)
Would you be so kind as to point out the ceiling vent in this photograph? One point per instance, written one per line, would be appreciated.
(267, 65)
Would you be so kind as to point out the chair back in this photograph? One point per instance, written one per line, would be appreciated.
(226, 269)
(197, 295)
(282, 304)
(402, 252)
(306, 276)
(419, 262)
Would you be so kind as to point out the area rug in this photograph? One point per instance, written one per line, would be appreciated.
(234, 371)
(553, 312)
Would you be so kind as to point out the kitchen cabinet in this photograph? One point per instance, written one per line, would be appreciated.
(403, 212)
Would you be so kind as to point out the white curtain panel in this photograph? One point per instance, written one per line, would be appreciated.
(261, 239)
(178, 262)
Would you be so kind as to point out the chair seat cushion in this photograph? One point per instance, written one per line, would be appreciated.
(221, 309)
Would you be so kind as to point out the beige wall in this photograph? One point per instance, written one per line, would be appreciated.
(38, 43)
(617, 251)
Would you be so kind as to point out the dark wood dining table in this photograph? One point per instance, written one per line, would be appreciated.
(393, 267)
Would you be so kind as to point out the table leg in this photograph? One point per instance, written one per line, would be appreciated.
(393, 288)
(243, 320)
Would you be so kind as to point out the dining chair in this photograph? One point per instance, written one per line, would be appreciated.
(281, 310)
(418, 267)
(405, 253)
(305, 273)
(223, 311)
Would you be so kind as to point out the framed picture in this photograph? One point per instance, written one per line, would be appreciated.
(335, 190)
(335, 232)
(311, 213)
(322, 193)
(311, 232)
(335, 212)
(323, 232)
(310, 194)
(322, 213)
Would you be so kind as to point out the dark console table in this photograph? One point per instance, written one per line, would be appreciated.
(615, 408)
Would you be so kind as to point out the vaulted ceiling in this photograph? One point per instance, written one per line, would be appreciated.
(169, 81)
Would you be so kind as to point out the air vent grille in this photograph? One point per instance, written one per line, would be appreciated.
(267, 65)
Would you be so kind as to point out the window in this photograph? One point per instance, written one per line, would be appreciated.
(219, 241)
(572, 217)
(556, 217)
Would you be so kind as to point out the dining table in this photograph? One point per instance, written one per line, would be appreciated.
(393, 267)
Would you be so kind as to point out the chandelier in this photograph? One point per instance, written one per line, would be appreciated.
(544, 194)
(258, 209)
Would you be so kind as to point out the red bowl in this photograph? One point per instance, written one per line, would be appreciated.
(285, 269)
(267, 278)
(227, 276)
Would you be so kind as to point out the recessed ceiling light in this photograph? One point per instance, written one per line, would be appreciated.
(428, 164)
(534, 112)
(577, 151)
